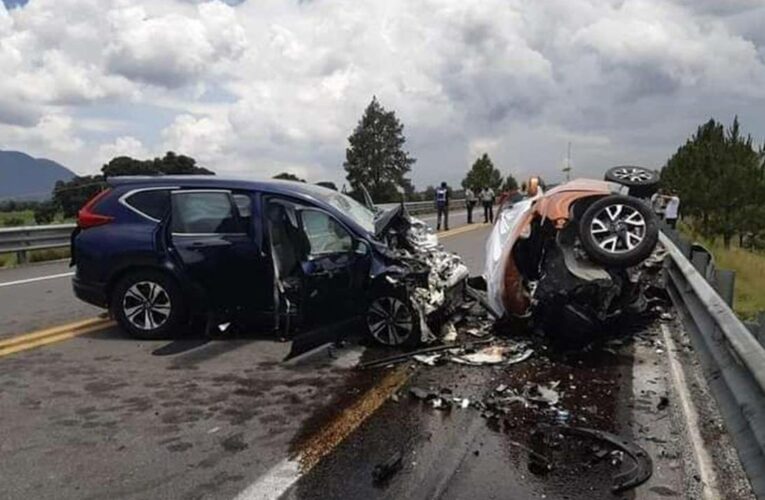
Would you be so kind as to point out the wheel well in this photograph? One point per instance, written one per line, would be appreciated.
(580, 206)
(116, 277)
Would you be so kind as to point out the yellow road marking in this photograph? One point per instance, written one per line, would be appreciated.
(50, 335)
(460, 230)
(331, 435)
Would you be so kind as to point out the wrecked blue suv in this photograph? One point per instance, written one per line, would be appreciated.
(160, 252)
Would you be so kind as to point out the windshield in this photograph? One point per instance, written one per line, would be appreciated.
(353, 209)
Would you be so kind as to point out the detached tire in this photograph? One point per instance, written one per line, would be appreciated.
(148, 305)
(391, 320)
(618, 231)
(642, 182)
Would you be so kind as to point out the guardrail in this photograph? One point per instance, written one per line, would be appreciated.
(20, 240)
(733, 360)
(422, 207)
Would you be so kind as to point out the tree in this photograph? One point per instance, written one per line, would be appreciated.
(510, 183)
(286, 176)
(45, 212)
(483, 175)
(170, 164)
(375, 157)
(719, 178)
(71, 195)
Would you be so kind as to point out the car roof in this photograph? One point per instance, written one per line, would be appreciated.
(217, 182)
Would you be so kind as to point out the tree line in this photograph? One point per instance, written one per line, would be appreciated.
(719, 176)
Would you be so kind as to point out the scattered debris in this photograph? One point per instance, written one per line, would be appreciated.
(448, 332)
(401, 358)
(419, 393)
(386, 470)
(546, 438)
(427, 359)
(492, 355)
(542, 394)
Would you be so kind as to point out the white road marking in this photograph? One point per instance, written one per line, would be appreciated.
(33, 280)
(701, 454)
(273, 483)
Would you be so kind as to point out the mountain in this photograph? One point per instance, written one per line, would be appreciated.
(25, 178)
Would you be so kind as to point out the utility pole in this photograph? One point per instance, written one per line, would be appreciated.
(567, 166)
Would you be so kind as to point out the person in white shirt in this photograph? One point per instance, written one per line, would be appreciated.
(672, 209)
(487, 199)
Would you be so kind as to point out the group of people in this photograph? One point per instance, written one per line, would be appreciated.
(486, 196)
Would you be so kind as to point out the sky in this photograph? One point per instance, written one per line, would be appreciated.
(252, 88)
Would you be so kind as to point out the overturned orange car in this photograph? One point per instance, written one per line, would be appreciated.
(568, 258)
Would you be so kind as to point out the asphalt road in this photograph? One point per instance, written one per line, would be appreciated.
(104, 416)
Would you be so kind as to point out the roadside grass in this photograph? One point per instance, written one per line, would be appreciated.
(749, 291)
(17, 218)
(9, 259)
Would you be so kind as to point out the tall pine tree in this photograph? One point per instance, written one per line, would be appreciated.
(483, 175)
(375, 157)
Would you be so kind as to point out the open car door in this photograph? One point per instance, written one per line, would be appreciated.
(211, 237)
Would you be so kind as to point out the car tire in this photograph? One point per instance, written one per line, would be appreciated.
(391, 320)
(642, 182)
(148, 305)
(618, 231)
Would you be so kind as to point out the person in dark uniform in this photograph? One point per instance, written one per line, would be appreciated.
(442, 206)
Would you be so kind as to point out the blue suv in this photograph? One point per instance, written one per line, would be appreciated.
(161, 251)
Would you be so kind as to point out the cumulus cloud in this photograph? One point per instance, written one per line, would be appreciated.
(263, 86)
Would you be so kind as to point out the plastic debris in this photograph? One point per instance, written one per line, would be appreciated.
(448, 332)
(427, 359)
(543, 394)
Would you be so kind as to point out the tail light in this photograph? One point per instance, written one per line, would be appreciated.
(86, 217)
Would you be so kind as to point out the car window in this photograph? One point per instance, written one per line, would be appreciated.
(205, 213)
(153, 202)
(325, 235)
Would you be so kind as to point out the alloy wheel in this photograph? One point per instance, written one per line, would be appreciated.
(390, 320)
(146, 305)
(618, 228)
(633, 174)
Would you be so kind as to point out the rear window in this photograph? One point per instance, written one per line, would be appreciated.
(153, 203)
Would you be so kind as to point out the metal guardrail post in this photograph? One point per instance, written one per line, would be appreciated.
(21, 257)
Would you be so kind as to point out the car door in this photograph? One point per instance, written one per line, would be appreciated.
(212, 236)
(335, 267)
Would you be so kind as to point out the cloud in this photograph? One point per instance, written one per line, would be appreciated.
(258, 87)
(172, 50)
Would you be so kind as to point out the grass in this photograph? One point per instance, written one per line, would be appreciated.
(749, 291)
(9, 259)
(17, 218)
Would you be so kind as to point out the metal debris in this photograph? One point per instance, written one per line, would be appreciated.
(492, 355)
(401, 358)
(427, 359)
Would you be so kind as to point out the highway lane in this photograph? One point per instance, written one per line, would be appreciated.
(102, 415)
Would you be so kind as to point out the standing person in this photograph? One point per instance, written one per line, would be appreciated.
(672, 209)
(469, 203)
(442, 206)
(657, 203)
(487, 198)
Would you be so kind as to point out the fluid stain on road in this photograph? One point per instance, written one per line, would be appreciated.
(481, 451)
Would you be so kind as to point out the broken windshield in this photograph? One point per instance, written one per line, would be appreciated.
(353, 209)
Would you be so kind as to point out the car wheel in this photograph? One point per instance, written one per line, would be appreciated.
(148, 305)
(618, 231)
(642, 182)
(392, 321)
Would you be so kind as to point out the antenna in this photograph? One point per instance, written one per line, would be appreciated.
(567, 166)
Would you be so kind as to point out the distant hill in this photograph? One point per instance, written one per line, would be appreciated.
(25, 178)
